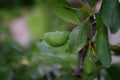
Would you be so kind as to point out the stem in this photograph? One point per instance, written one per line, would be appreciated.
(86, 20)
(82, 54)
(93, 21)
(93, 53)
(82, 3)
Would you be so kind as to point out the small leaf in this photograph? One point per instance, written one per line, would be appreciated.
(83, 14)
(57, 38)
(78, 37)
(93, 76)
(58, 7)
(115, 49)
(88, 64)
(102, 45)
(66, 77)
(110, 14)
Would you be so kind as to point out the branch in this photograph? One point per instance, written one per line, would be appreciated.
(82, 54)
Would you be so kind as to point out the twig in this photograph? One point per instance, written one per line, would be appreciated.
(82, 54)
(83, 4)
(93, 22)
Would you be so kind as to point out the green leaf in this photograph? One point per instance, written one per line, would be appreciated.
(57, 38)
(102, 45)
(87, 77)
(110, 14)
(83, 14)
(89, 64)
(78, 37)
(93, 76)
(92, 3)
(115, 49)
(58, 7)
(114, 71)
(66, 77)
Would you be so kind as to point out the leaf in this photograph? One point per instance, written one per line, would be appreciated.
(115, 49)
(89, 64)
(58, 7)
(110, 14)
(93, 76)
(66, 77)
(92, 3)
(83, 14)
(57, 38)
(78, 37)
(102, 45)
(88, 77)
(114, 71)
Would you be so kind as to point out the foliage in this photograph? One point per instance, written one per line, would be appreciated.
(80, 53)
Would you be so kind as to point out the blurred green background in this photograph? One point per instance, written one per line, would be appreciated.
(23, 53)
(23, 56)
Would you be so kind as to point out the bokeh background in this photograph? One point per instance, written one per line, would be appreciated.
(23, 54)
